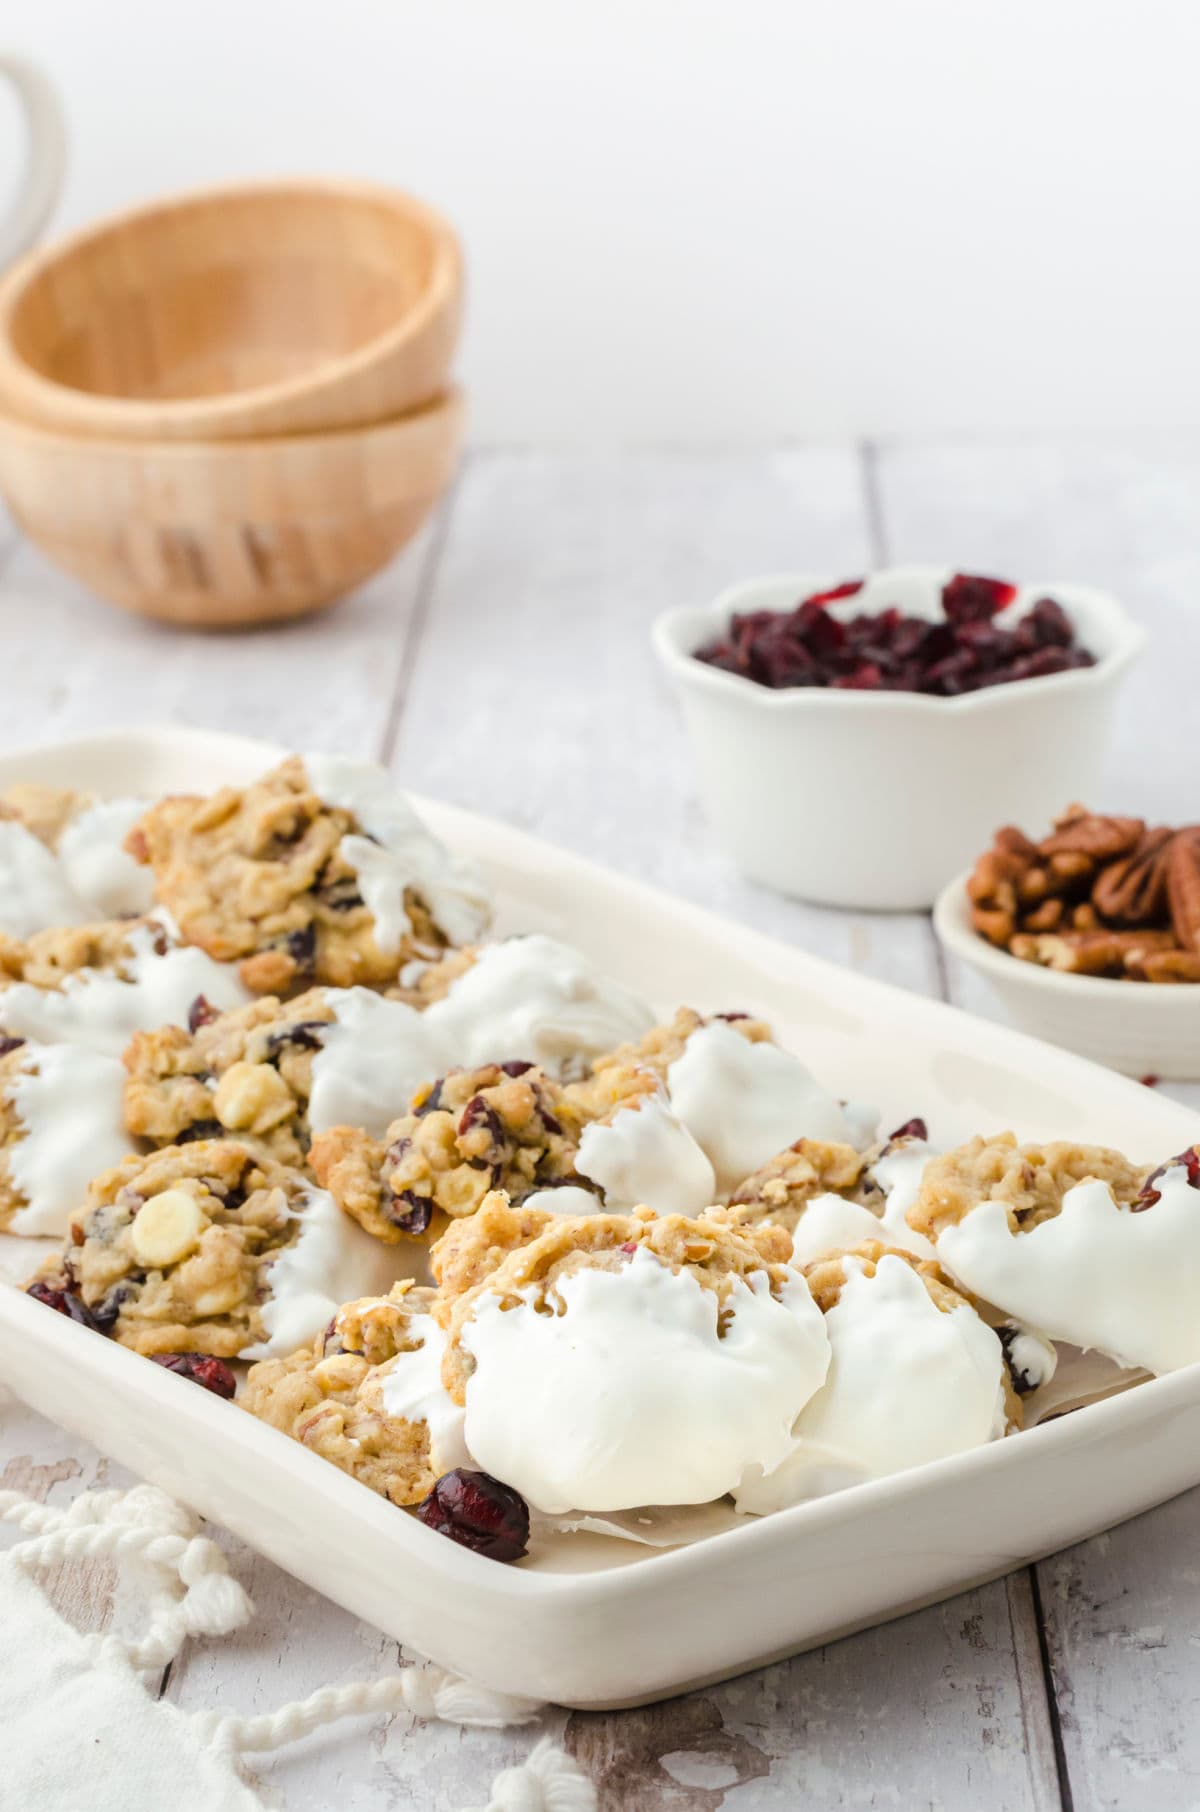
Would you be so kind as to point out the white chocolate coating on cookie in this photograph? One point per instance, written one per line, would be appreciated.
(829, 1224)
(645, 1155)
(1096, 1274)
(374, 1054)
(34, 890)
(71, 1112)
(744, 1101)
(331, 1261)
(102, 1011)
(404, 854)
(412, 1388)
(538, 999)
(629, 1396)
(97, 866)
(908, 1383)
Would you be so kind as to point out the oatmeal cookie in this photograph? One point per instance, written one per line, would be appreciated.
(502, 1126)
(662, 1046)
(1030, 1180)
(172, 1252)
(301, 888)
(618, 1360)
(332, 1397)
(248, 1072)
(782, 1188)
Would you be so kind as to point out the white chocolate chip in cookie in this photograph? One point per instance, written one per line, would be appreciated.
(252, 1097)
(167, 1228)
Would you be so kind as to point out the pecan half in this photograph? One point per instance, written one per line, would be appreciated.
(1133, 890)
(1083, 833)
(1183, 886)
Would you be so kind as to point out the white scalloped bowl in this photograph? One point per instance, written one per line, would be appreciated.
(1140, 1028)
(874, 799)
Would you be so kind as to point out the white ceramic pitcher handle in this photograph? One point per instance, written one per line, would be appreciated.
(45, 159)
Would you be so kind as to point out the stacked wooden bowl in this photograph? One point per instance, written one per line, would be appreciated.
(232, 407)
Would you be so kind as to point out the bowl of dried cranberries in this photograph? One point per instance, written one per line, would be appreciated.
(856, 739)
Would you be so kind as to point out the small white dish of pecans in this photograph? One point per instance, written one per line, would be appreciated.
(1091, 936)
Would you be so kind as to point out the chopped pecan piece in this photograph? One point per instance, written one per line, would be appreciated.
(1047, 917)
(1089, 952)
(1168, 966)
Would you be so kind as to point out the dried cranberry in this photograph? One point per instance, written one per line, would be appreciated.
(431, 1103)
(63, 1302)
(478, 1113)
(210, 1374)
(863, 678)
(302, 946)
(968, 595)
(200, 1013)
(418, 1212)
(516, 1066)
(730, 1017)
(106, 1311)
(306, 1035)
(846, 589)
(1022, 1381)
(479, 1513)
(9, 1043)
(341, 895)
(629, 1248)
(200, 1129)
(889, 651)
(1048, 624)
(1190, 1159)
(912, 1129)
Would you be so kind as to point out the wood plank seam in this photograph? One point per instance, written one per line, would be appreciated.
(426, 588)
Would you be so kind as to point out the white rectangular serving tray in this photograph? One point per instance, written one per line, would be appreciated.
(588, 1621)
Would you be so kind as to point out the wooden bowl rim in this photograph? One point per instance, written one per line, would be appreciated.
(447, 405)
(29, 383)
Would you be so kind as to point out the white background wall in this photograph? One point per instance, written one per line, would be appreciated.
(690, 221)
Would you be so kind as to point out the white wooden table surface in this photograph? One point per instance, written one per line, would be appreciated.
(503, 664)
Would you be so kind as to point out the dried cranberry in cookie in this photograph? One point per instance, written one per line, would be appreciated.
(1075, 1241)
(318, 872)
(915, 1374)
